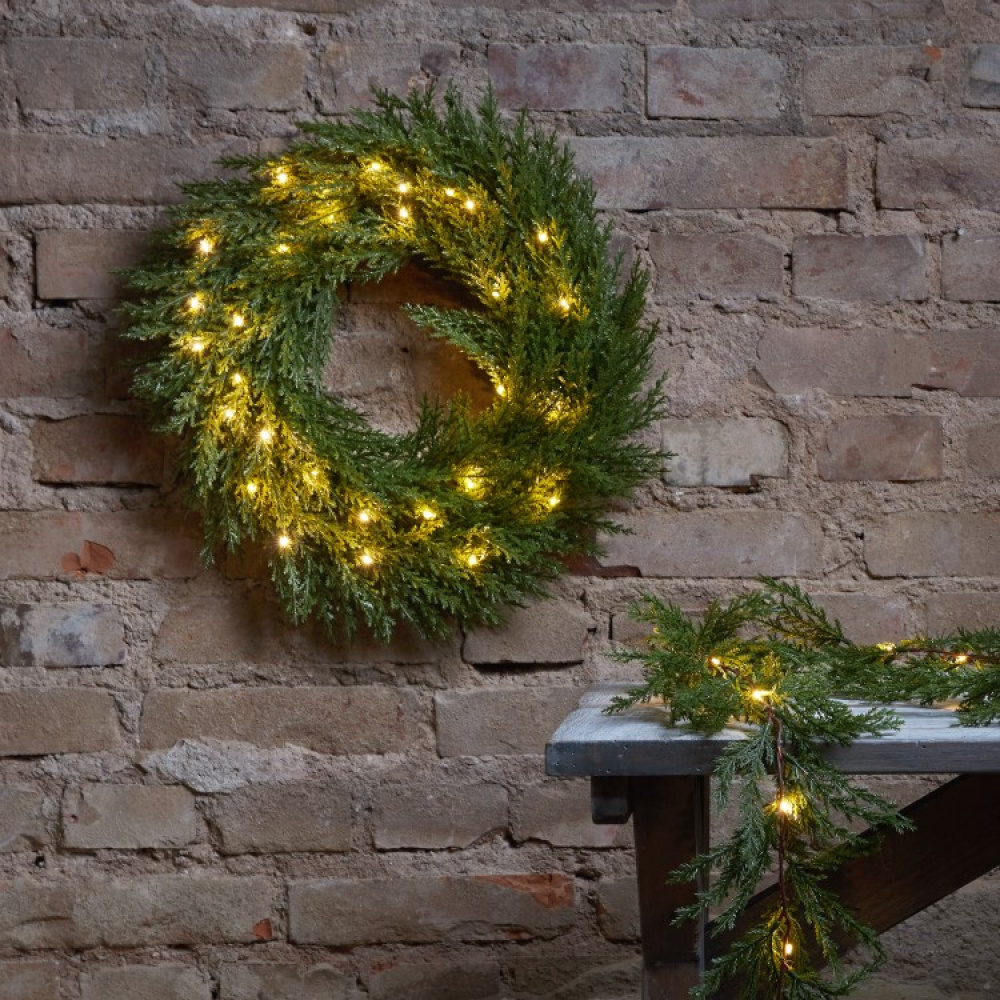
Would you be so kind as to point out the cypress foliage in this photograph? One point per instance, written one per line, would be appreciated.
(470, 511)
(775, 663)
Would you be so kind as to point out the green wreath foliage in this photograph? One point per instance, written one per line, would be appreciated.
(772, 659)
(471, 510)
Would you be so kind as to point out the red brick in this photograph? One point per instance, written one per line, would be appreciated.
(500, 721)
(860, 268)
(933, 543)
(97, 450)
(559, 77)
(869, 362)
(895, 448)
(55, 363)
(983, 450)
(958, 173)
(724, 452)
(970, 268)
(869, 80)
(964, 609)
(550, 632)
(125, 544)
(77, 73)
(632, 172)
(268, 75)
(982, 88)
(29, 981)
(424, 909)
(65, 720)
(816, 10)
(350, 69)
(80, 263)
(68, 169)
(334, 720)
(730, 265)
(722, 543)
(684, 82)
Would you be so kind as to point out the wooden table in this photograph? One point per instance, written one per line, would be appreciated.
(660, 777)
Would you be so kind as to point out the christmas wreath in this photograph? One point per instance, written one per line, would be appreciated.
(471, 510)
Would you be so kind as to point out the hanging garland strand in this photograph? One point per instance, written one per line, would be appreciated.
(470, 511)
(774, 661)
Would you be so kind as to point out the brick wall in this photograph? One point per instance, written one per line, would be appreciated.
(197, 801)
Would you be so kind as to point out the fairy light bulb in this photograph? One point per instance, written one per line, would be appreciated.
(427, 514)
(786, 806)
(197, 346)
(403, 187)
(284, 542)
(266, 435)
(501, 390)
(283, 248)
(364, 517)
(554, 500)
(472, 560)
(237, 379)
(229, 413)
(564, 304)
(375, 167)
(495, 293)
(714, 661)
(449, 192)
(282, 177)
(470, 482)
(205, 246)
(789, 949)
(760, 694)
(404, 212)
(238, 320)
(367, 559)
(252, 488)
(962, 658)
(196, 303)
(542, 236)
(470, 205)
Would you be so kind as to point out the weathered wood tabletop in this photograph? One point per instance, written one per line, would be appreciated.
(659, 776)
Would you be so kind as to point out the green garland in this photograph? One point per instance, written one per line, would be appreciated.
(773, 659)
(470, 511)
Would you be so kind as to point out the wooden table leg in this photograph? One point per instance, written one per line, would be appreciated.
(671, 825)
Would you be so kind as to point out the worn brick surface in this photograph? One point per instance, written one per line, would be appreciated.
(722, 543)
(23, 825)
(933, 544)
(558, 813)
(869, 79)
(939, 173)
(6, 274)
(277, 819)
(469, 979)
(964, 609)
(550, 632)
(869, 618)
(724, 452)
(875, 362)
(99, 449)
(267, 75)
(618, 909)
(730, 265)
(869, 268)
(80, 263)
(713, 83)
(301, 6)
(282, 981)
(123, 544)
(898, 448)
(29, 981)
(57, 363)
(33, 723)
(338, 720)
(982, 88)
(424, 909)
(77, 73)
(134, 912)
(832, 10)
(502, 721)
(970, 268)
(61, 635)
(105, 170)
(558, 77)
(142, 982)
(759, 172)
(433, 810)
(128, 816)
(983, 450)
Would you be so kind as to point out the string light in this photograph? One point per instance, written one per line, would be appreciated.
(367, 559)
(554, 500)
(284, 542)
(789, 949)
(495, 293)
(229, 413)
(470, 205)
(760, 694)
(364, 517)
(542, 236)
(252, 488)
(450, 192)
(266, 435)
(282, 177)
(472, 560)
(238, 320)
(787, 806)
(887, 647)
(564, 304)
(715, 661)
(283, 248)
(427, 514)
(375, 166)
(404, 212)
(205, 246)
(197, 346)
(403, 187)
(237, 379)
(962, 658)
(196, 303)
(501, 390)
